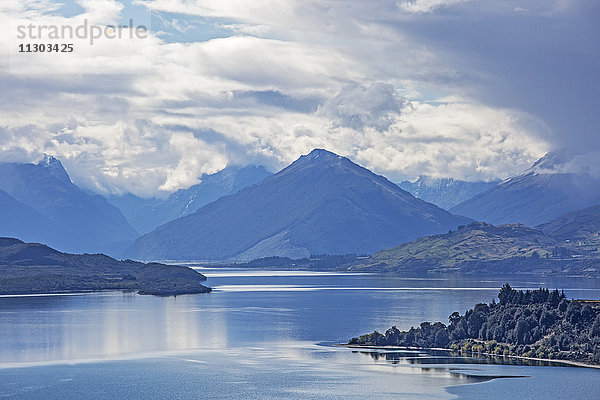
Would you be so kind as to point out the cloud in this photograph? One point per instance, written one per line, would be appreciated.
(358, 106)
(426, 6)
(467, 140)
(583, 163)
(246, 29)
(570, 161)
(193, 154)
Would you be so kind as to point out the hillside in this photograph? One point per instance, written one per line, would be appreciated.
(68, 218)
(28, 268)
(468, 248)
(577, 226)
(320, 204)
(542, 193)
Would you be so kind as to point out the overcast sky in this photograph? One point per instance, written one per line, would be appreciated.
(469, 89)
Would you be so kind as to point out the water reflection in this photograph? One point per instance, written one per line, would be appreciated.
(439, 357)
(109, 325)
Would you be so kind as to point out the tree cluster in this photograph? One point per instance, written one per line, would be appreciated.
(538, 323)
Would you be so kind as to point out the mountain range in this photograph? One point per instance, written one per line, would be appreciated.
(320, 204)
(146, 214)
(40, 203)
(444, 192)
(540, 194)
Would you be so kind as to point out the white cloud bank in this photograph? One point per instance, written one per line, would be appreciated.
(292, 76)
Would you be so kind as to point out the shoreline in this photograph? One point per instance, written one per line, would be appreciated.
(489, 355)
(350, 270)
(136, 291)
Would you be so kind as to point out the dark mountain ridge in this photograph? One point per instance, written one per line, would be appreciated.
(67, 217)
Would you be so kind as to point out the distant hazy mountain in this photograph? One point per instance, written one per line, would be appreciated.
(131, 205)
(551, 187)
(580, 225)
(320, 204)
(19, 220)
(42, 204)
(152, 213)
(444, 192)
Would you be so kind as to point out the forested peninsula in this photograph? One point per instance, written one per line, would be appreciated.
(32, 268)
(540, 324)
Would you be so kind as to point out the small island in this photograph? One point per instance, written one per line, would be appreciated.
(539, 324)
(32, 268)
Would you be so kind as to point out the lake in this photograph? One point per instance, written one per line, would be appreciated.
(262, 335)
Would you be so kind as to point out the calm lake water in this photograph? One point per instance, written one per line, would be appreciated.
(262, 335)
